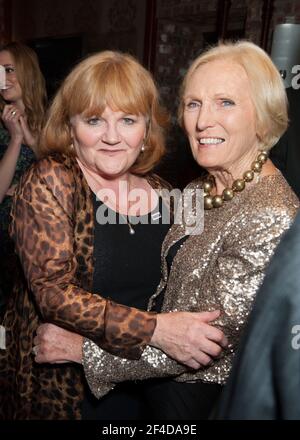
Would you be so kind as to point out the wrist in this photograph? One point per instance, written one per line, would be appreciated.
(16, 141)
(155, 340)
(78, 350)
(31, 142)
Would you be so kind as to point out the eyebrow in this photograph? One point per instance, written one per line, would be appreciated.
(217, 95)
(190, 97)
(224, 95)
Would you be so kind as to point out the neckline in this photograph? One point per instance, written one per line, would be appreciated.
(155, 209)
(278, 173)
(250, 188)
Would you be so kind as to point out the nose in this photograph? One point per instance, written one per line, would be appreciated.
(111, 134)
(206, 117)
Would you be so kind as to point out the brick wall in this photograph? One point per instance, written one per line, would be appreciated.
(114, 24)
(5, 21)
(184, 28)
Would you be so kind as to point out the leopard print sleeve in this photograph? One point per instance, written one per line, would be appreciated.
(43, 228)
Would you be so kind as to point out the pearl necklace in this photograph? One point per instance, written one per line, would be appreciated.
(237, 186)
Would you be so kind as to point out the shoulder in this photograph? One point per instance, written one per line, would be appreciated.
(266, 211)
(274, 194)
(195, 184)
(157, 182)
(51, 170)
(50, 178)
(56, 165)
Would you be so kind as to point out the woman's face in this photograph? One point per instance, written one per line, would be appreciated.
(108, 145)
(219, 116)
(13, 91)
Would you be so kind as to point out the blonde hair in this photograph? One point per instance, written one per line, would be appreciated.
(267, 88)
(32, 84)
(114, 79)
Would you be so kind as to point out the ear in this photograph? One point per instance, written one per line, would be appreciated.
(262, 131)
(261, 136)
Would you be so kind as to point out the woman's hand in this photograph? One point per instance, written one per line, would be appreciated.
(11, 119)
(56, 345)
(189, 337)
(16, 123)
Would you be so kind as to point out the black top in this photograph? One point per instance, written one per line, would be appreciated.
(127, 267)
(158, 302)
(126, 270)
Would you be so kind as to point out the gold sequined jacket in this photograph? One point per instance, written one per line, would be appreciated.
(221, 268)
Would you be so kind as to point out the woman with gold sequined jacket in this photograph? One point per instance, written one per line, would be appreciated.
(233, 108)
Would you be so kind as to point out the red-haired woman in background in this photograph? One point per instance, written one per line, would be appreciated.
(22, 104)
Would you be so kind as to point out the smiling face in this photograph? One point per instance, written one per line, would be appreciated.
(219, 116)
(13, 91)
(108, 145)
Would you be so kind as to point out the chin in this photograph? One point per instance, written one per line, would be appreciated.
(202, 161)
(109, 174)
(207, 160)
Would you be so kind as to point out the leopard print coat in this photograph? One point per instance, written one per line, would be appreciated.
(52, 226)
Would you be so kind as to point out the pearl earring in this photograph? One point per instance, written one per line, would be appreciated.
(142, 148)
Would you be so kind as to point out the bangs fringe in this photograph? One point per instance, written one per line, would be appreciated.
(112, 86)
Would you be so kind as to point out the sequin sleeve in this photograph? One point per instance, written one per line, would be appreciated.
(240, 266)
(103, 370)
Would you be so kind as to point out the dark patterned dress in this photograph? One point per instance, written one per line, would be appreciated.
(7, 256)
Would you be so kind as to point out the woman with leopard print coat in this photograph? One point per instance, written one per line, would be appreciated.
(106, 127)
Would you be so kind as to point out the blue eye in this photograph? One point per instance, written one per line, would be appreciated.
(128, 121)
(93, 121)
(191, 105)
(227, 102)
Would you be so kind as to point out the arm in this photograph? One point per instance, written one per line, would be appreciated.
(103, 371)
(9, 161)
(56, 345)
(43, 230)
(264, 387)
(29, 138)
(240, 268)
(152, 364)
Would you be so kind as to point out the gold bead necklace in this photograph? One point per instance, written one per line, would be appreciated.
(237, 186)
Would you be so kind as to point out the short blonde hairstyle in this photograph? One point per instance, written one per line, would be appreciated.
(266, 85)
(114, 79)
